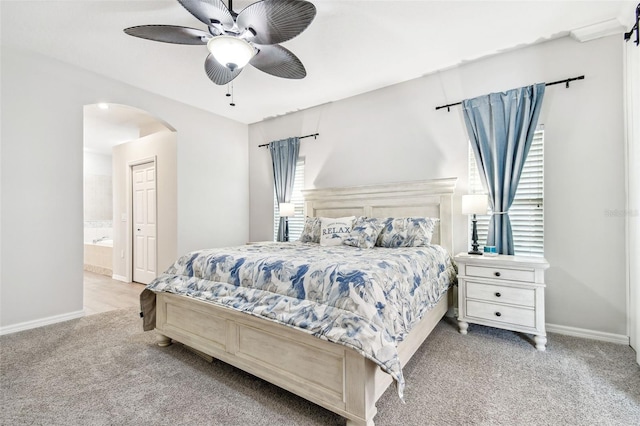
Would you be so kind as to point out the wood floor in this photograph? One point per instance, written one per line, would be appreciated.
(102, 294)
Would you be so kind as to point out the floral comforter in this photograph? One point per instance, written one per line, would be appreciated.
(366, 299)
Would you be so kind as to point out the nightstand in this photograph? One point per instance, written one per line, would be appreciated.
(502, 291)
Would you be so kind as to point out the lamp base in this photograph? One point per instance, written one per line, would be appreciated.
(474, 237)
(286, 230)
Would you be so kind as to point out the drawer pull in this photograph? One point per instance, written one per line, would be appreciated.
(498, 294)
(498, 314)
(497, 274)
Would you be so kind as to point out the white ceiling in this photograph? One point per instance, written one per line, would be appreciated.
(351, 47)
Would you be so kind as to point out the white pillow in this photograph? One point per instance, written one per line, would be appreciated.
(334, 230)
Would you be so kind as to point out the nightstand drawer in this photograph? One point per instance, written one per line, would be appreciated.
(525, 275)
(502, 314)
(501, 294)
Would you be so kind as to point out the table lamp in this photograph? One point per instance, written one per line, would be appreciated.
(474, 204)
(286, 210)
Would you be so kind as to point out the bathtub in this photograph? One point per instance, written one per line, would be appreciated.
(105, 243)
(98, 257)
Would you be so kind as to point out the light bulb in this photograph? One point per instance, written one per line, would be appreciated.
(231, 52)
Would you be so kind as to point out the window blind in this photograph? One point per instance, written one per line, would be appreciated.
(296, 222)
(527, 211)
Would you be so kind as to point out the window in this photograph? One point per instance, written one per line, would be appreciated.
(296, 223)
(526, 212)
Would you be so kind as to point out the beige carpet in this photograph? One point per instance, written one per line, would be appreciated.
(103, 370)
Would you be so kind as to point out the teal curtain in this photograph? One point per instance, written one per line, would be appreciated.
(501, 128)
(284, 156)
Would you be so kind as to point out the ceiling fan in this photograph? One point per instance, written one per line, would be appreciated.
(237, 39)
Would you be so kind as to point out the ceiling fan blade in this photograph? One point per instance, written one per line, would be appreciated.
(276, 21)
(209, 11)
(169, 34)
(278, 61)
(219, 74)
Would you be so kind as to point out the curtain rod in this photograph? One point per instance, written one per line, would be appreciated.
(315, 136)
(566, 81)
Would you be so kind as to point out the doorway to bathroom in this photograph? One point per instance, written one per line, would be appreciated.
(121, 146)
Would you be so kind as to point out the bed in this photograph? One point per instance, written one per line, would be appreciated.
(344, 359)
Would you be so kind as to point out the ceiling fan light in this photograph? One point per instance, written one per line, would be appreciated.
(231, 52)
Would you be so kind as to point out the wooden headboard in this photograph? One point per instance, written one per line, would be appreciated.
(428, 198)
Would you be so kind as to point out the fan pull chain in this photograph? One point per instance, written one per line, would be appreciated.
(230, 93)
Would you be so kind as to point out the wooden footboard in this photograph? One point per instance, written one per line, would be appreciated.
(331, 375)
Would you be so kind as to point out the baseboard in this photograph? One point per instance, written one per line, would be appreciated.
(588, 334)
(40, 322)
(120, 278)
(579, 332)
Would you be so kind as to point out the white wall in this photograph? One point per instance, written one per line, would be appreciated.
(96, 164)
(632, 213)
(98, 196)
(160, 147)
(395, 134)
(42, 104)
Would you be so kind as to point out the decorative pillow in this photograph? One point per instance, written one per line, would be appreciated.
(406, 232)
(311, 230)
(333, 230)
(365, 232)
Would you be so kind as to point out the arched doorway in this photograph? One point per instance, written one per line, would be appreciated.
(118, 139)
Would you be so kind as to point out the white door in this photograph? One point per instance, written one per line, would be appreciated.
(144, 222)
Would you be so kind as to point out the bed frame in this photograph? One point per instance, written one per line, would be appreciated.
(328, 374)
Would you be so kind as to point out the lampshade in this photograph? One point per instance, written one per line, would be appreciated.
(231, 52)
(475, 204)
(287, 209)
